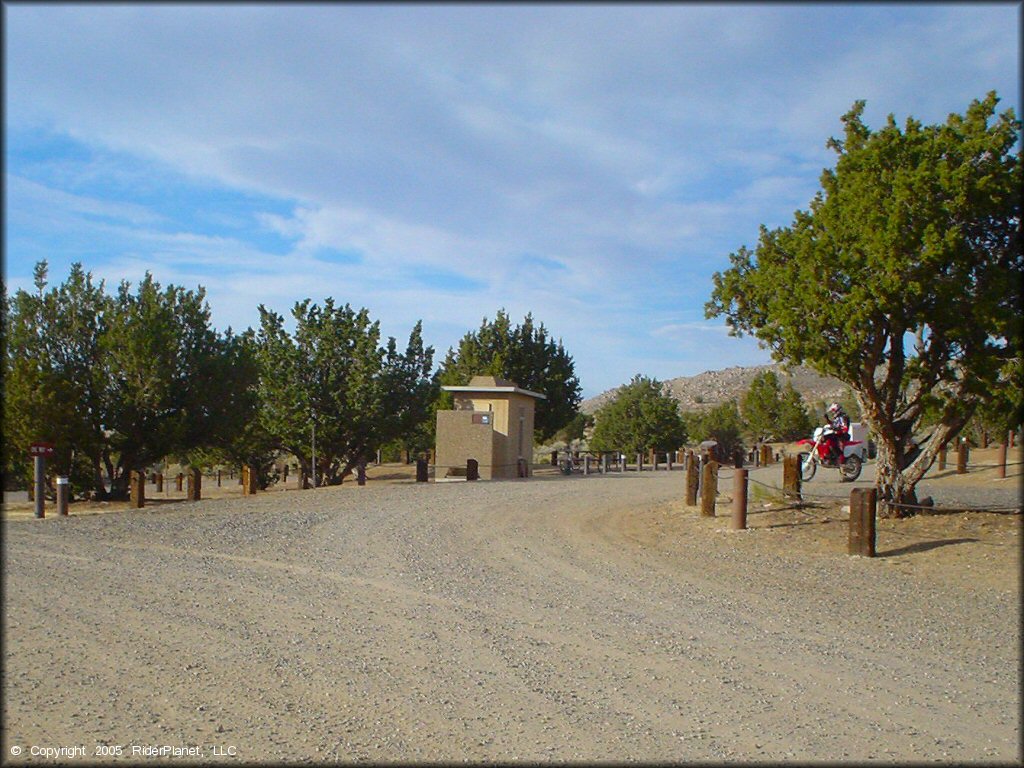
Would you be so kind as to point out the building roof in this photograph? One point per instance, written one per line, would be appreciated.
(490, 384)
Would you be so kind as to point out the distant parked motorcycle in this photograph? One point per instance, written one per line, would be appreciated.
(849, 462)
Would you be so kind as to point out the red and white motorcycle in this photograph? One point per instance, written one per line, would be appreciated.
(849, 462)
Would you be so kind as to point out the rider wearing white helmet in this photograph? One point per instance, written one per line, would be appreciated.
(840, 424)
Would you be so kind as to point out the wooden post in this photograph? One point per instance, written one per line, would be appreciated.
(284, 473)
(178, 480)
(639, 462)
(961, 458)
(1001, 471)
(863, 507)
(586, 464)
(554, 458)
(361, 473)
(195, 485)
(218, 478)
(739, 500)
(984, 439)
(708, 488)
(1009, 438)
(249, 480)
(757, 457)
(303, 480)
(63, 496)
(472, 469)
(654, 462)
(942, 458)
(691, 481)
(421, 470)
(604, 463)
(791, 477)
(137, 489)
(668, 461)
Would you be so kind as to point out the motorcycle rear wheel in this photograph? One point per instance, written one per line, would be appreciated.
(850, 469)
(807, 466)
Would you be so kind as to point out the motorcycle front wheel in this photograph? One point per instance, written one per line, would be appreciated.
(808, 466)
(850, 469)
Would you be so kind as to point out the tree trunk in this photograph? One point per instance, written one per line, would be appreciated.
(97, 479)
(901, 465)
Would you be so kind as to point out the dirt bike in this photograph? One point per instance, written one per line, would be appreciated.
(849, 462)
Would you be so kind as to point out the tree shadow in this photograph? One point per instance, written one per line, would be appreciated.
(923, 546)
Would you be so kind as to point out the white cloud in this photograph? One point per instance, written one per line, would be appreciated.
(634, 145)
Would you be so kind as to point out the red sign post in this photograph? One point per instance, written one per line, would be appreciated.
(40, 452)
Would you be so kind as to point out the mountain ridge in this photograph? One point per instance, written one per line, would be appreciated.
(706, 390)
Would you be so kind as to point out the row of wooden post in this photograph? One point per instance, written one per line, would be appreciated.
(863, 501)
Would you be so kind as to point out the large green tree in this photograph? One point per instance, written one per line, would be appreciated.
(903, 279)
(525, 354)
(773, 412)
(117, 383)
(640, 417)
(723, 424)
(331, 374)
(54, 376)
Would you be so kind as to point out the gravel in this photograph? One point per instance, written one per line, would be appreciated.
(567, 619)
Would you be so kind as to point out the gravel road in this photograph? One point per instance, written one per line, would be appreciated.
(563, 619)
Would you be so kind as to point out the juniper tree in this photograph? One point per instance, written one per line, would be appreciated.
(902, 279)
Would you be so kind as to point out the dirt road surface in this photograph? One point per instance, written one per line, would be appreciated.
(559, 619)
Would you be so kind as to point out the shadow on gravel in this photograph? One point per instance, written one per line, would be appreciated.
(922, 546)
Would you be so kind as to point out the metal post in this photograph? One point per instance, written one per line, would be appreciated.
(63, 496)
(739, 500)
(37, 482)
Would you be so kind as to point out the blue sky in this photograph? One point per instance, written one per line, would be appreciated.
(591, 164)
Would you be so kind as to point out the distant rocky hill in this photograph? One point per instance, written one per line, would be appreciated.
(708, 389)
